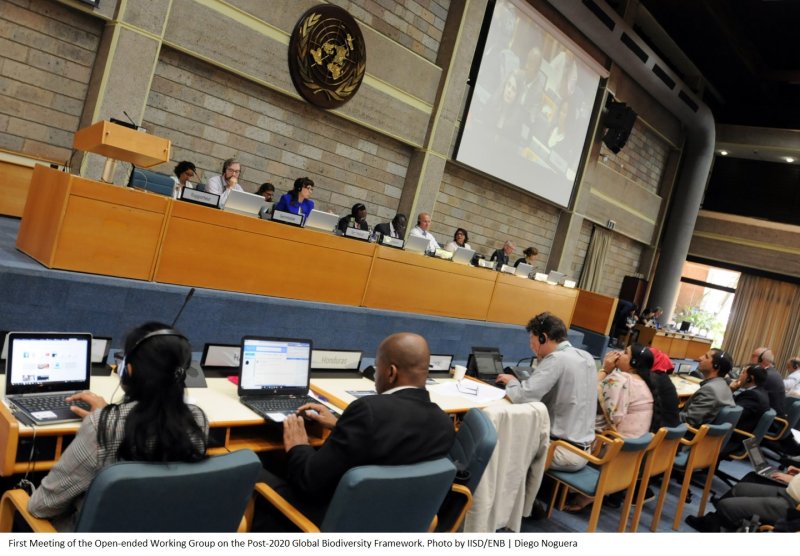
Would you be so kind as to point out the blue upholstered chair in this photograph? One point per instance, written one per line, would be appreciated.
(471, 452)
(616, 470)
(155, 182)
(207, 496)
(378, 499)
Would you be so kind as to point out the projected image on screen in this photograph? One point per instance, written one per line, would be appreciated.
(531, 105)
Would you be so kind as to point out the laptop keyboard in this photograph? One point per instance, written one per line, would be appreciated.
(54, 403)
(280, 405)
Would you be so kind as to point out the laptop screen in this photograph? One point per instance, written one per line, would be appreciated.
(100, 347)
(274, 364)
(684, 368)
(335, 359)
(47, 362)
(440, 362)
(221, 355)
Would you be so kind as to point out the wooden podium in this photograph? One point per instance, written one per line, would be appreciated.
(122, 143)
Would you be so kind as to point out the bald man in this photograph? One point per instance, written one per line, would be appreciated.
(398, 426)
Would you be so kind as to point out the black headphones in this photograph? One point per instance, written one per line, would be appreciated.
(795, 363)
(180, 372)
(717, 358)
(539, 326)
(635, 356)
(761, 356)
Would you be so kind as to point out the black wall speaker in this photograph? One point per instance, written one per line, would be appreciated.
(618, 120)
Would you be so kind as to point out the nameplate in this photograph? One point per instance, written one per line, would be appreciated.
(508, 269)
(287, 217)
(395, 242)
(199, 197)
(483, 263)
(355, 233)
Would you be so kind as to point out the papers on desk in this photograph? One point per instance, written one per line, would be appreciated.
(477, 392)
(361, 393)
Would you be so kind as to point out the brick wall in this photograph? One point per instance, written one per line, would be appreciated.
(492, 213)
(642, 159)
(211, 115)
(416, 24)
(46, 56)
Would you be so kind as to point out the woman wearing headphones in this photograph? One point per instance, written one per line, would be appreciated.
(152, 423)
(298, 200)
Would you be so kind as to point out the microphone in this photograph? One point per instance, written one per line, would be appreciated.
(185, 301)
(523, 359)
(136, 126)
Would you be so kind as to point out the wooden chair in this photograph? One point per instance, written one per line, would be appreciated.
(737, 451)
(703, 452)
(137, 497)
(378, 499)
(471, 451)
(659, 458)
(773, 438)
(616, 470)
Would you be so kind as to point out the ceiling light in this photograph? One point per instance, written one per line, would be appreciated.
(789, 159)
(723, 153)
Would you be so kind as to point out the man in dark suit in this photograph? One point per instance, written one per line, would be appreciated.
(396, 228)
(763, 357)
(753, 400)
(398, 426)
(713, 394)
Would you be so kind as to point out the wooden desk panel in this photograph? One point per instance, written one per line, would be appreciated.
(594, 312)
(208, 248)
(681, 347)
(414, 283)
(515, 300)
(73, 223)
(16, 180)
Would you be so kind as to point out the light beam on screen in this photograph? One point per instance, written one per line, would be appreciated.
(531, 105)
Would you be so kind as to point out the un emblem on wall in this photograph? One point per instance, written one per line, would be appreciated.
(327, 57)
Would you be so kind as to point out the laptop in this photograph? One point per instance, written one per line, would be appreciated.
(463, 255)
(757, 459)
(524, 269)
(100, 348)
(555, 277)
(42, 369)
(221, 359)
(241, 202)
(323, 221)
(274, 375)
(335, 363)
(485, 363)
(4, 353)
(417, 244)
(440, 363)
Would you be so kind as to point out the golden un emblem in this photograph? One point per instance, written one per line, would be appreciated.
(327, 57)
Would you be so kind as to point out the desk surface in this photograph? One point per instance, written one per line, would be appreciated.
(685, 385)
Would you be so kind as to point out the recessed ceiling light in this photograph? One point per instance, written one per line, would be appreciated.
(723, 153)
(789, 159)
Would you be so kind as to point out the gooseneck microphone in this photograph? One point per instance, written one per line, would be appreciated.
(185, 302)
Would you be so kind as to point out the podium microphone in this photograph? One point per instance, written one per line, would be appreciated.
(185, 302)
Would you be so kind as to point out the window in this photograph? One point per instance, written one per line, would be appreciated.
(704, 300)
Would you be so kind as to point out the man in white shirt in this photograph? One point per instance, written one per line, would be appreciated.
(792, 381)
(421, 230)
(566, 382)
(223, 184)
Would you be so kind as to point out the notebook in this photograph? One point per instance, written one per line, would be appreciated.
(274, 375)
(245, 203)
(42, 369)
(757, 459)
(463, 255)
(324, 221)
(335, 363)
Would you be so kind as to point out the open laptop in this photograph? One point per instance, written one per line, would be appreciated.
(323, 221)
(524, 269)
(245, 203)
(221, 359)
(463, 255)
(417, 244)
(42, 369)
(100, 348)
(4, 353)
(555, 277)
(335, 363)
(757, 459)
(440, 363)
(274, 375)
(485, 363)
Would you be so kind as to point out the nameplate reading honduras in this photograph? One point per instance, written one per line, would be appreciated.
(287, 217)
(200, 197)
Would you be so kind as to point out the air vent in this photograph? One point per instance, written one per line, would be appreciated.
(688, 101)
(662, 75)
(600, 14)
(628, 41)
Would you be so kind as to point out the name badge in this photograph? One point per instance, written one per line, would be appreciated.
(287, 217)
(355, 233)
(199, 197)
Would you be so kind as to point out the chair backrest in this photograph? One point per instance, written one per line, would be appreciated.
(621, 470)
(207, 496)
(662, 456)
(763, 424)
(389, 498)
(155, 182)
(728, 414)
(792, 414)
(708, 442)
(473, 447)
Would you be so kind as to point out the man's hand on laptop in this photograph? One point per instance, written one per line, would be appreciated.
(89, 398)
(782, 477)
(319, 413)
(504, 379)
(294, 432)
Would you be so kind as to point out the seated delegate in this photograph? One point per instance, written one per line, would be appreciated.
(184, 171)
(298, 200)
(356, 219)
(266, 190)
(530, 254)
(421, 230)
(500, 256)
(396, 228)
(152, 423)
(460, 239)
(229, 180)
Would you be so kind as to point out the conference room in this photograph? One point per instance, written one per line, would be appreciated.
(531, 122)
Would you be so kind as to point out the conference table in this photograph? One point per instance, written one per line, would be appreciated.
(73, 223)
